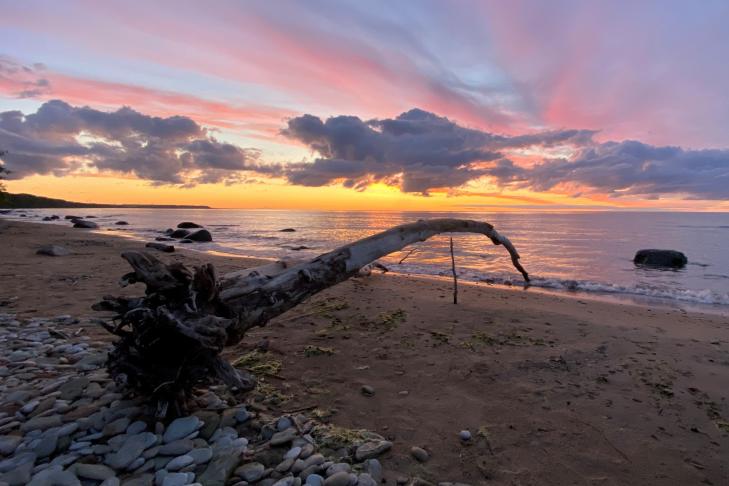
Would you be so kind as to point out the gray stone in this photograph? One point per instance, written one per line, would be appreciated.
(140, 480)
(372, 449)
(367, 390)
(338, 467)
(284, 437)
(41, 423)
(176, 448)
(130, 450)
(284, 423)
(116, 427)
(47, 444)
(373, 467)
(251, 472)
(365, 479)
(8, 444)
(98, 472)
(219, 469)
(178, 479)
(420, 454)
(136, 427)
(180, 462)
(55, 476)
(201, 455)
(314, 480)
(464, 435)
(341, 478)
(111, 482)
(293, 453)
(20, 469)
(242, 415)
(181, 428)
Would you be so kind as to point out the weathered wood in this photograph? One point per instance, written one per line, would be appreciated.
(171, 339)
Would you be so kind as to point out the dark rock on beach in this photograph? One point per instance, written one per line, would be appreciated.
(70, 216)
(660, 258)
(287, 230)
(80, 223)
(52, 250)
(188, 225)
(180, 233)
(121, 223)
(200, 235)
(161, 247)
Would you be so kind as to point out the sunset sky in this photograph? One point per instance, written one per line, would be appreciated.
(428, 105)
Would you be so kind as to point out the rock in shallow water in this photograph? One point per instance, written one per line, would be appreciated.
(660, 258)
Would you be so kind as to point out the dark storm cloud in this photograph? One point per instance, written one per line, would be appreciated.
(418, 150)
(60, 138)
(633, 168)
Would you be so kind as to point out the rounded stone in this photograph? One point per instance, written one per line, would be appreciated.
(420, 454)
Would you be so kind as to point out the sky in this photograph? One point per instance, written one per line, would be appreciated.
(411, 105)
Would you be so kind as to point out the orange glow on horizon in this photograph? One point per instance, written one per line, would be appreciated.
(273, 194)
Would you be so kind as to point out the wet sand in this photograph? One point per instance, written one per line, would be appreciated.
(555, 390)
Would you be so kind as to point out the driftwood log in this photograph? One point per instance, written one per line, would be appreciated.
(170, 339)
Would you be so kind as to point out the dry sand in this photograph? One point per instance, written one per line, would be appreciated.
(555, 390)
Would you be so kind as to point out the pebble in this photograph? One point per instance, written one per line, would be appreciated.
(251, 472)
(314, 480)
(180, 462)
(181, 428)
(201, 455)
(177, 447)
(420, 454)
(371, 449)
(464, 435)
(367, 390)
(98, 472)
(341, 479)
(283, 437)
(76, 427)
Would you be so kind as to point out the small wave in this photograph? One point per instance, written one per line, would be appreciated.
(703, 296)
(259, 237)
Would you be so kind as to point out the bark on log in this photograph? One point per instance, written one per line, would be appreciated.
(171, 339)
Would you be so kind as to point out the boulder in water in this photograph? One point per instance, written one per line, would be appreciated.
(660, 258)
(188, 225)
(180, 233)
(287, 230)
(200, 235)
(80, 223)
(70, 216)
(121, 223)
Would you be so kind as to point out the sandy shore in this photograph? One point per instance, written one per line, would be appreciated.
(555, 390)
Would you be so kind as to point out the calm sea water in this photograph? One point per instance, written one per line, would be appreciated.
(575, 252)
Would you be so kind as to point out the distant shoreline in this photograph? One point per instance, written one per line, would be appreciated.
(30, 201)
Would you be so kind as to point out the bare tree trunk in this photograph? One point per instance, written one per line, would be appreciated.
(172, 337)
(455, 276)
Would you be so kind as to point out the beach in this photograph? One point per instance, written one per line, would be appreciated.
(554, 389)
